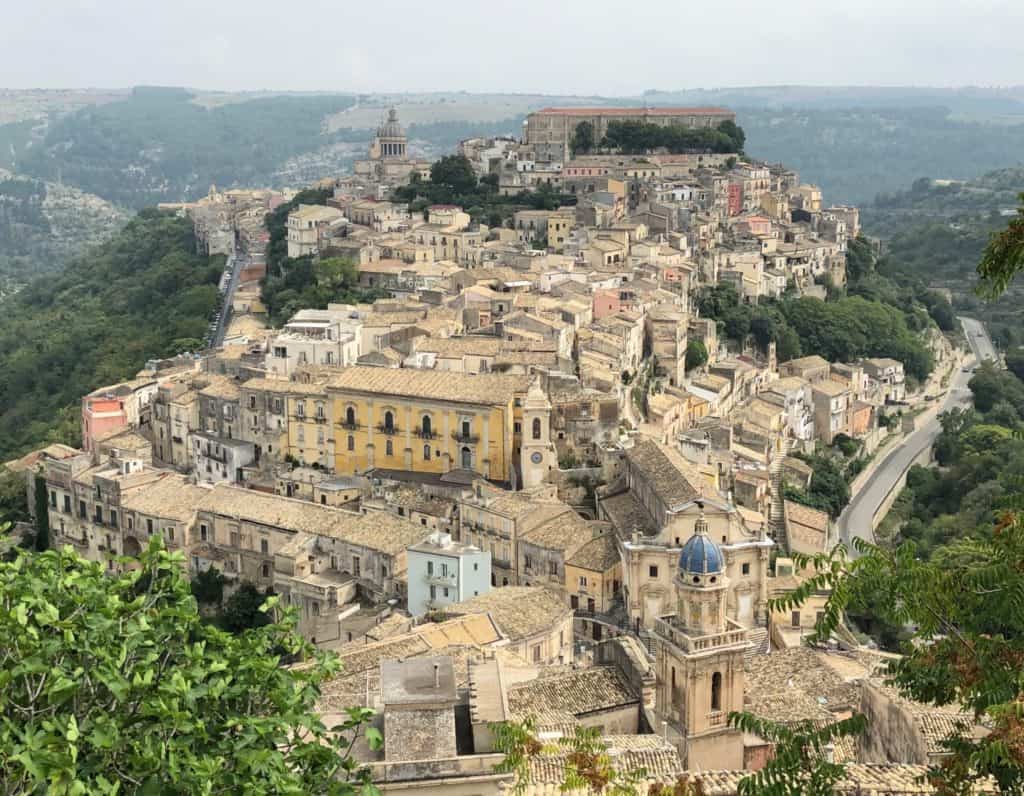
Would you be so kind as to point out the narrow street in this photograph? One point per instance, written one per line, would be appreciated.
(236, 263)
(856, 520)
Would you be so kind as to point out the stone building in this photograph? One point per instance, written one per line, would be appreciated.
(549, 131)
(701, 658)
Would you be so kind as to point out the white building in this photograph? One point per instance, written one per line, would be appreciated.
(309, 226)
(442, 572)
(315, 337)
(216, 459)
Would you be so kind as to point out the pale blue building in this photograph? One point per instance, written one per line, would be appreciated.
(441, 572)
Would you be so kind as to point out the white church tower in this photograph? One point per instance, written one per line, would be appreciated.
(538, 453)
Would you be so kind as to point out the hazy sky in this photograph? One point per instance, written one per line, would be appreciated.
(551, 46)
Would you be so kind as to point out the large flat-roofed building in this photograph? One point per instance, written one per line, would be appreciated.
(549, 130)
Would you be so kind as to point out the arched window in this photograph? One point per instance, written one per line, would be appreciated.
(389, 449)
(351, 442)
(536, 428)
(716, 691)
(350, 416)
(426, 453)
(389, 421)
(426, 427)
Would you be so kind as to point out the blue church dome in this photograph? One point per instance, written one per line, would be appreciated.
(700, 556)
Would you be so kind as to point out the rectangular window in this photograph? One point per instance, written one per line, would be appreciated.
(536, 654)
(149, 527)
(170, 533)
(795, 619)
(67, 504)
(583, 582)
(746, 569)
(264, 546)
(81, 509)
(53, 498)
(653, 571)
(113, 518)
(430, 567)
(203, 532)
(355, 566)
(433, 592)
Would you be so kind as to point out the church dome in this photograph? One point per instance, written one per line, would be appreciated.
(700, 555)
(391, 128)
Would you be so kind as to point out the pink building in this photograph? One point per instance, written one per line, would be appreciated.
(111, 409)
(735, 198)
(102, 415)
(606, 302)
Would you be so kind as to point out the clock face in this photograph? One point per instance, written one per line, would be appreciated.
(535, 457)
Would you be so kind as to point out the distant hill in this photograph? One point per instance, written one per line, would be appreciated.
(163, 144)
(158, 145)
(43, 225)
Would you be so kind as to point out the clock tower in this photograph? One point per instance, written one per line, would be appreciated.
(537, 452)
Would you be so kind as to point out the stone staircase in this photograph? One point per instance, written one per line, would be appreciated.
(776, 509)
(758, 641)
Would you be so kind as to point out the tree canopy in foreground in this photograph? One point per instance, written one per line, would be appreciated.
(113, 684)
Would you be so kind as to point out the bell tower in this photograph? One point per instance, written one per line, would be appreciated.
(537, 453)
(700, 659)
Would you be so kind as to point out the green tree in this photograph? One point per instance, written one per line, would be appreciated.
(1015, 362)
(114, 684)
(208, 586)
(243, 609)
(1003, 257)
(735, 133)
(696, 354)
(454, 172)
(968, 643)
(800, 764)
(13, 497)
(582, 140)
(42, 513)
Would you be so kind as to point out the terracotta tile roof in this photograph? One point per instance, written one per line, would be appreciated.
(806, 516)
(485, 389)
(566, 697)
(567, 532)
(797, 684)
(625, 513)
(172, 497)
(381, 531)
(598, 555)
(673, 479)
(518, 611)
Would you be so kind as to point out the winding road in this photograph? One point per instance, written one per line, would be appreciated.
(856, 519)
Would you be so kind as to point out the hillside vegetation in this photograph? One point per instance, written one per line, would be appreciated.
(935, 233)
(158, 145)
(42, 226)
(143, 294)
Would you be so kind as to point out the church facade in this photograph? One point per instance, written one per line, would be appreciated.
(389, 163)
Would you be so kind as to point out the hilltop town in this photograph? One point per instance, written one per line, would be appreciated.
(518, 466)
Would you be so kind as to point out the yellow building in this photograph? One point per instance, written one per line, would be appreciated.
(593, 578)
(426, 421)
(560, 224)
(310, 430)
